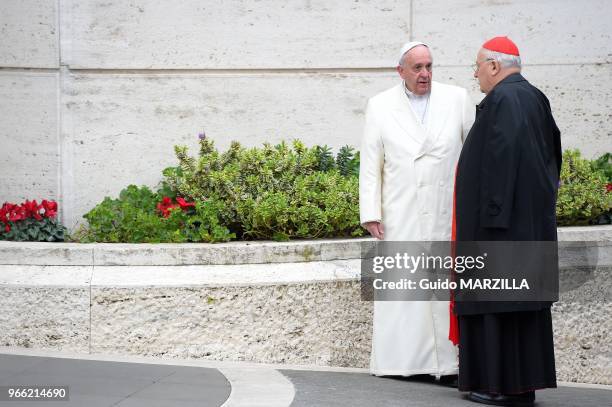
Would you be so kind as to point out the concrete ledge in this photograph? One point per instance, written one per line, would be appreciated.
(163, 254)
(121, 254)
(286, 303)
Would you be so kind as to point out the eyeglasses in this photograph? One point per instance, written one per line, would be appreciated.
(476, 66)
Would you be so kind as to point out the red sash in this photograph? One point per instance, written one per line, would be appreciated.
(453, 331)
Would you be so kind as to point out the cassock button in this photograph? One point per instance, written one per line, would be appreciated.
(494, 209)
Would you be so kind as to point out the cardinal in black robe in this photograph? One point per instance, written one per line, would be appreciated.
(506, 190)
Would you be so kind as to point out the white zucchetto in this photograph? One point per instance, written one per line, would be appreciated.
(408, 46)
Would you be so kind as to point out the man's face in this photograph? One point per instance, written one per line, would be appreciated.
(416, 70)
(482, 72)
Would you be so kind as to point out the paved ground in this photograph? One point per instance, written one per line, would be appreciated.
(101, 383)
(362, 390)
(178, 383)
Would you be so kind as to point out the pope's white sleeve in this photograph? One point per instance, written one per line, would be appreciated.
(469, 114)
(370, 170)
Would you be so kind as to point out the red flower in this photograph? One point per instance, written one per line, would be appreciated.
(184, 204)
(50, 208)
(165, 206)
(30, 206)
(6, 210)
(609, 187)
(31, 210)
(17, 214)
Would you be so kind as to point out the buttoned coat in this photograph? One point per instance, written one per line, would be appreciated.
(406, 181)
(508, 175)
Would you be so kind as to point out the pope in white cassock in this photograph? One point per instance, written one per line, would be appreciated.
(412, 139)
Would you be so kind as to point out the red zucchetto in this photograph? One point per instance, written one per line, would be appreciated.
(503, 45)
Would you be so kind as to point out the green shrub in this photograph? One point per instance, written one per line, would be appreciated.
(274, 192)
(583, 197)
(604, 164)
(135, 218)
(285, 192)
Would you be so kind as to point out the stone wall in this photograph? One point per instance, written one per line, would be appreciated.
(94, 94)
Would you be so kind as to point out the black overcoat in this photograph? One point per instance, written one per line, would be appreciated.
(508, 176)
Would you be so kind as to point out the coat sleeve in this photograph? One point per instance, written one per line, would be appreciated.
(556, 135)
(501, 156)
(370, 170)
(469, 114)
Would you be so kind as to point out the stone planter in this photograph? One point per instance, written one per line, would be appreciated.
(296, 302)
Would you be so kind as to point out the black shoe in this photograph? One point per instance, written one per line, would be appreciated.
(517, 400)
(451, 380)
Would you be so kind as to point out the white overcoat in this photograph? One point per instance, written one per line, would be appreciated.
(406, 182)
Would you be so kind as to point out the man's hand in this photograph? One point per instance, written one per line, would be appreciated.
(375, 229)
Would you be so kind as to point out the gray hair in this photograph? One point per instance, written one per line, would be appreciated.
(505, 60)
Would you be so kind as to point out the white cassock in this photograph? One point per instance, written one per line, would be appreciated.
(406, 181)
